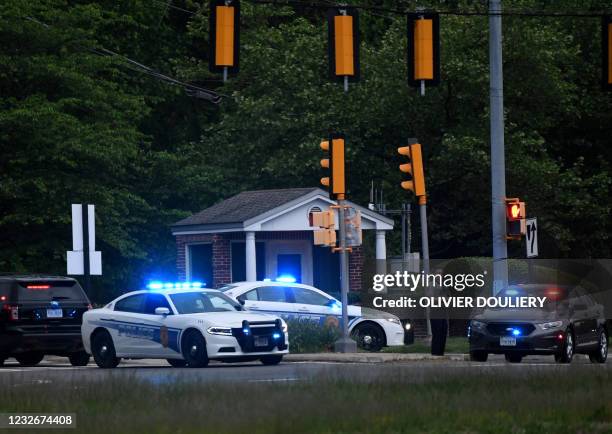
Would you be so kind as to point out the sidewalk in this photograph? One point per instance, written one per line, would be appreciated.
(372, 357)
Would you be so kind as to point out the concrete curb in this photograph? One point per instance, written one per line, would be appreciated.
(373, 357)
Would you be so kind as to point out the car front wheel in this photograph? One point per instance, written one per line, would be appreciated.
(567, 350)
(194, 349)
(29, 359)
(103, 350)
(600, 355)
(369, 337)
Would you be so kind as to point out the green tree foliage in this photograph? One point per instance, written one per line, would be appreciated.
(76, 126)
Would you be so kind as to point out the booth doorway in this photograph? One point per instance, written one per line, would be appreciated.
(289, 265)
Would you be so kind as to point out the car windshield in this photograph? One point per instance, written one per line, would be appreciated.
(203, 302)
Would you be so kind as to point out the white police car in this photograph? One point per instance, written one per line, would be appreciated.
(372, 329)
(186, 325)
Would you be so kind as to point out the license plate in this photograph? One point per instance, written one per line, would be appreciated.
(261, 341)
(55, 313)
(506, 341)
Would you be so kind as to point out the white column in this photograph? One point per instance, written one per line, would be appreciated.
(381, 246)
(251, 264)
(381, 253)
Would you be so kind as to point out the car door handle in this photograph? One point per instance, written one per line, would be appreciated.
(303, 309)
(107, 319)
(253, 307)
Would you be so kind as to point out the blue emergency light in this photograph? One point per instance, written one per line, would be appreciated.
(285, 278)
(176, 285)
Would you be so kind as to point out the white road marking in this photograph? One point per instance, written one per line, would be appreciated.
(270, 380)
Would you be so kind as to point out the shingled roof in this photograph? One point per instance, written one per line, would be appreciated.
(244, 206)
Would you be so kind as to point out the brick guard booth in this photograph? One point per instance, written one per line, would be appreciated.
(266, 234)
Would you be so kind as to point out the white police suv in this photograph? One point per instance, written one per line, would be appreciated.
(186, 325)
(372, 329)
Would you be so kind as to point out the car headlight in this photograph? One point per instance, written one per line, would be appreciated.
(224, 331)
(478, 325)
(285, 327)
(395, 320)
(408, 326)
(551, 325)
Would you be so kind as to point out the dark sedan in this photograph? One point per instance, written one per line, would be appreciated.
(569, 322)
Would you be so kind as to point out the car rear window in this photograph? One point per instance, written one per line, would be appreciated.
(49, 291)
(4, 293)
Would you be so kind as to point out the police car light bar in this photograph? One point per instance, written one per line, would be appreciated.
(177, 285)
(286, 279)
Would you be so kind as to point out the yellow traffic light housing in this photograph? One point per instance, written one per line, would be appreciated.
(343, 43)
(414, 168)
(423, 49)
(224, 21)
(326, 236)
(336, 181)
(606, 43)
(516, 226)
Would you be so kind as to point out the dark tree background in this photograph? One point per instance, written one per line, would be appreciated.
(76, 126)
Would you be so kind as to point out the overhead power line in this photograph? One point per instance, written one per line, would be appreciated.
(398, 11)
(190, 89)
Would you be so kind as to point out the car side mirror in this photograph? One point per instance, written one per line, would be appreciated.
(241, 301)
(162, 311)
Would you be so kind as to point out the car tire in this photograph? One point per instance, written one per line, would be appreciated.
(567, 351)
(271, 360)
(30, 359)
(600, 355)
(177, 363)
(369, 336)
(513, 358)
(194, 349)
(103, 350)
(479, 356)
(79, 359)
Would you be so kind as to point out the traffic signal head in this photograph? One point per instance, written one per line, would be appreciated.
(336, 180)
(224, 35)
(325, 220)
(515, 219)
(423, 49)
(343, 43)
(414, 168)
(606, 42)
(325, 162)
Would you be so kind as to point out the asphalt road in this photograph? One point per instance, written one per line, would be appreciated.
(159, 372)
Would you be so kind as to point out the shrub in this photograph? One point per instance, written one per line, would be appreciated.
(310, 337)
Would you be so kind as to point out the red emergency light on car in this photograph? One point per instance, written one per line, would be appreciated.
(38, 286)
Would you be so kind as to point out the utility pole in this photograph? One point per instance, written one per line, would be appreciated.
(345, 344)
(498, 166)
(336, 186)
(425, 249)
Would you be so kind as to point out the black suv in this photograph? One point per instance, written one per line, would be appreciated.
(41, 315)
(570, 322)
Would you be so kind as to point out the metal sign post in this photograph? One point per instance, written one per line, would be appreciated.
(531, 242)
(83, 259)
(345, 344)
(532, 237)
